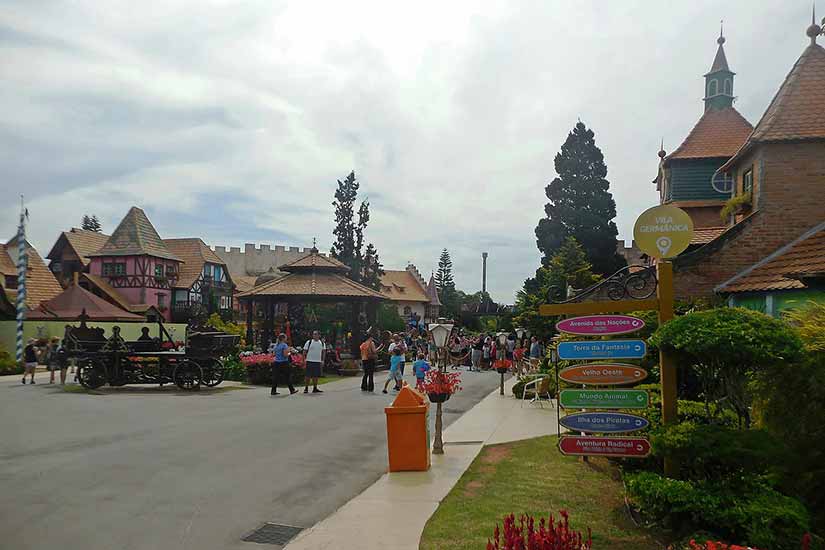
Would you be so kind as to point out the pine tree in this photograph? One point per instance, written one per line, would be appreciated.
(365, 266)
(580, 204)
(445, 285)
(91, 223)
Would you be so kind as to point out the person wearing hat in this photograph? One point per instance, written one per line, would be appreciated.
(30, 359)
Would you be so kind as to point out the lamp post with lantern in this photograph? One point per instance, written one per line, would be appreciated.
(440, 333)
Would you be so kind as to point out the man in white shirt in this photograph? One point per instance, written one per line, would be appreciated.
(314, 361)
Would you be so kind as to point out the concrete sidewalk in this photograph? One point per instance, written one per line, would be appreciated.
(393, 511)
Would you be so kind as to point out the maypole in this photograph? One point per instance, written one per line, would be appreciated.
(22, 264)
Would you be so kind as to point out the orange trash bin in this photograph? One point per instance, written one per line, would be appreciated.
(408, 431)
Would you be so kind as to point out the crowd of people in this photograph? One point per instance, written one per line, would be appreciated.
(45, 352)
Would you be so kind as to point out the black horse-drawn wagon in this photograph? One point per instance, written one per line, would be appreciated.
(161, 360)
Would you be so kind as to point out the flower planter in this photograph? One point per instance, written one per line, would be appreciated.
(438, 397)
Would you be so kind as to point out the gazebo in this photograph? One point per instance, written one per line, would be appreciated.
(311, 279)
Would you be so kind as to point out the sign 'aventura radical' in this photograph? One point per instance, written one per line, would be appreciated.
(602, 349)
(594, 325)
(663, 231)
(603, 399)
(582, 445)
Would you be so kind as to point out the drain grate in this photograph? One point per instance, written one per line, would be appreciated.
(273, 533)
(463, 442)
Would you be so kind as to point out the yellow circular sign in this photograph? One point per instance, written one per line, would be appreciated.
(663, 231)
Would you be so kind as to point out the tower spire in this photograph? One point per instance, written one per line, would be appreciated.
(814, 30)
(719, 80)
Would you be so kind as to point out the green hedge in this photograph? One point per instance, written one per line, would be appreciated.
(7, 363)
(744, 510)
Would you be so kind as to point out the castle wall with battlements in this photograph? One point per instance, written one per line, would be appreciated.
(254, 259)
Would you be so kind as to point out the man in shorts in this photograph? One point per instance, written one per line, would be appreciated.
(30, 359)
(314, 360)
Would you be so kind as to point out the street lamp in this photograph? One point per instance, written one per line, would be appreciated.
(440, 333)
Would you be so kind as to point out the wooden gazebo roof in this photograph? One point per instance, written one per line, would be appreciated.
(313, 276)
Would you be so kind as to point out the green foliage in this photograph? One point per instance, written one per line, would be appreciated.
(387, 318)
(712, 452)
(727, 348)
(791, 402)
(91, 223)
(7, 363)
(580, 204)
(568, 267)
(233, 369)
(809, 319)
(444, 283)
(365, 266)
(518, 387)
(735, 205)
(744, 510)
(216, 321)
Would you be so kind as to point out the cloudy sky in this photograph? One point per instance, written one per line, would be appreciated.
(232, 120)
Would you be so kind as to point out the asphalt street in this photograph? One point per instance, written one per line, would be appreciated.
(133, 469)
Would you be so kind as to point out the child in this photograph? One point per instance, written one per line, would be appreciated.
(420, 368)
(396, 360)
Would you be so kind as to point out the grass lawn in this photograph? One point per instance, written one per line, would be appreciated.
(531, 476)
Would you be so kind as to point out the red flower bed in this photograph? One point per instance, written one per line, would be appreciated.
(436, 381)
(549, 535)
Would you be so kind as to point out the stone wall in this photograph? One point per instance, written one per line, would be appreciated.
(254, 260)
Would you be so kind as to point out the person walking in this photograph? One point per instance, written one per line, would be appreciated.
(314, 360)
(369, 355)
(55, 361)
(477, 354)
(396, 360)
(282, 366)
(536, 353)
(420, 368)
(398, 343)
(30, 360)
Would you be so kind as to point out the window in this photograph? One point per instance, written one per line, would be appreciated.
(161, 301)
(713, 88)
(747, 181)
(170, 270)
(218, 273)
(11, 282)
(728, 87)
(207, 270)
(159, 272)
(56, 266)
(226, 302)
(113, 269)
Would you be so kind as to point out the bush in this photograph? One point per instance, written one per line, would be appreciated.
(550, 535)
(233, 369)
(727, 348)
(8, 365)
(708, 452)
(743, 509)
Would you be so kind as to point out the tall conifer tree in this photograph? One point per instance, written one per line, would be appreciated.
(580, 204)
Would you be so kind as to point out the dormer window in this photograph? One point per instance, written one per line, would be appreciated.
(747, 181)
(159, 271)
(728, 86)
(713, 88)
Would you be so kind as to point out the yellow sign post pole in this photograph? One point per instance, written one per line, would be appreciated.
(667, 368)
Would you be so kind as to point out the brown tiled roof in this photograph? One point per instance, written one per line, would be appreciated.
(783, 269)
(107, 289)
(82, 241)
(719, 133)
(73, 301)
(706, 234)
(7, 266)
(135, 236)
(40, 282)
(403, 286)
(244, 283)
(797, 111)
(314, 260)
(313, 284)
(194, 253)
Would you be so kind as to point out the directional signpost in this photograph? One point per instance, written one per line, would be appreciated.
(602, 349)
(584, 445)
(600, 325)
(604, 422)
(603, 399)
(604, 374)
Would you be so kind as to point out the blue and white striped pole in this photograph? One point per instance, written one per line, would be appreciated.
(22, 264)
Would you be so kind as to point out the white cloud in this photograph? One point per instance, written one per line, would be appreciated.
(232, 121)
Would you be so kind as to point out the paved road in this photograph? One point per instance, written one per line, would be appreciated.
(164, 470)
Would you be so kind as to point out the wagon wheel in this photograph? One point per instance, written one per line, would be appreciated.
(188, 375)
(92, 374)
(212, 373)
